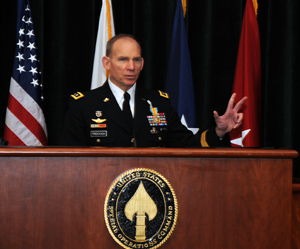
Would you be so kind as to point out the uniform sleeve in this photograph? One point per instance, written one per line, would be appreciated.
(74, 131)
(209, 138)
(180, 136)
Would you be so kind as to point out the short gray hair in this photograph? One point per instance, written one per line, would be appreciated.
(110, 43)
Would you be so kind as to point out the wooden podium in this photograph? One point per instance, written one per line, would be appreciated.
(227, 198)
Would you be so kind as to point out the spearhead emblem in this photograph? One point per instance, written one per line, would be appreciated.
(140, 204)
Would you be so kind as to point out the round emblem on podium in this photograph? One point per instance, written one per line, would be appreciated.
(140, 209)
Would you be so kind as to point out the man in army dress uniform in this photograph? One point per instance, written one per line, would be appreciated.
(121, 114)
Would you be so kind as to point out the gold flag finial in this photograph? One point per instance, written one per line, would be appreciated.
(255, 5)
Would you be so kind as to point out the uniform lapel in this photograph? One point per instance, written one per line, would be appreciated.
(142, 110)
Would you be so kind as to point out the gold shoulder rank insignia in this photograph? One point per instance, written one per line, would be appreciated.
(77, 95)
(163, 94)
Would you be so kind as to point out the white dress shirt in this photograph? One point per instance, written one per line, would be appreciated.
(119, 95)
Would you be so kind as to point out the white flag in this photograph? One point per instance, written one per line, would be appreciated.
(106, 30)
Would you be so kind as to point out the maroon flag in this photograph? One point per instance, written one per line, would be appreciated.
(247, 81)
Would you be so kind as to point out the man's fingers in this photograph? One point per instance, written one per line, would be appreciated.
(231, 101)
(238, 121)
(216, 114)
(240, 103)
(240, 117)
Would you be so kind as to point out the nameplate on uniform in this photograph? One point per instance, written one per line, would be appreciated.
(157, 120)
(98, 133)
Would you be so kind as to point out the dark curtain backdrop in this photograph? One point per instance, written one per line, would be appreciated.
(66, 32)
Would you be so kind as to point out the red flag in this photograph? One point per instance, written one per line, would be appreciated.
(247, 81)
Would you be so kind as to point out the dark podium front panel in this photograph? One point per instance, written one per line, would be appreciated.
(227, 198)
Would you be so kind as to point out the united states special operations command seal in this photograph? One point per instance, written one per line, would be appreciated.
(140, 209)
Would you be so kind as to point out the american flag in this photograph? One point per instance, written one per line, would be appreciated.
(25, 123)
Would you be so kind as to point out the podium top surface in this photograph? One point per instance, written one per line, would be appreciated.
(146, 152)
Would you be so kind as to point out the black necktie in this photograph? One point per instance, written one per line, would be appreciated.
(128, 115)
(126, 109)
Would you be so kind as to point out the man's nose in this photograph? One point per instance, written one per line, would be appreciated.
(130, 65)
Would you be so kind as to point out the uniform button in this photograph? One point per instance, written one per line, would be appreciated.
(159, 138)
(98, 140)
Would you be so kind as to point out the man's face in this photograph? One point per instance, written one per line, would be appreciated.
(125, 63)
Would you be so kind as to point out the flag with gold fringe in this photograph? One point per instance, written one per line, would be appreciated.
(106, 30)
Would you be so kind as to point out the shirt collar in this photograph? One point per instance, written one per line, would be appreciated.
(119, 93)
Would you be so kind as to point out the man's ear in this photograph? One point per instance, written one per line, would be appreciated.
(106, 62)
(142, 63)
